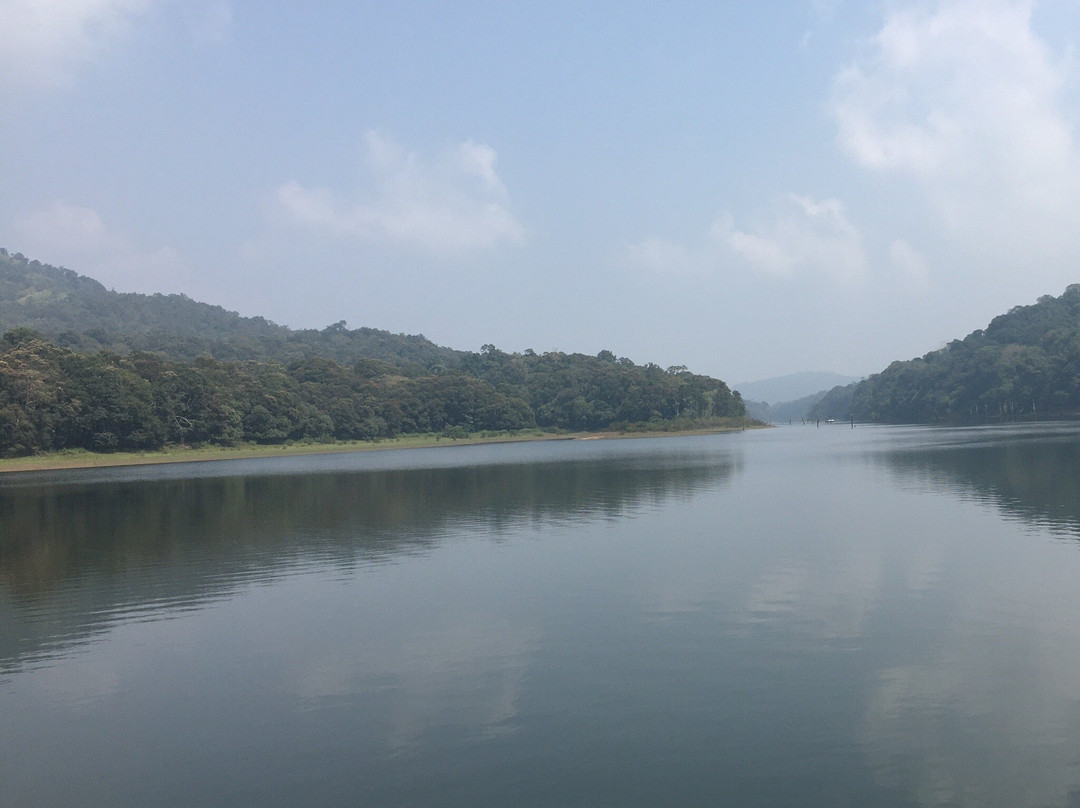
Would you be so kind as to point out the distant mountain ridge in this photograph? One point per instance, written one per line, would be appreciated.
(79, 313)
(1025, 364)
(784, 411)
(783, 399)
(792, 386)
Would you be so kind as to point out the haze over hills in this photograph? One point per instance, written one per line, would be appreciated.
(785, 399)
(784, 412)
(792, 386)
(79, 313)
(1024, 364)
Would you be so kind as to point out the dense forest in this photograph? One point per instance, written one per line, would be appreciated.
(59, 390)
(1025, 364)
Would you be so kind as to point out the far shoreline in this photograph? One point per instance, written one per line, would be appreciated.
(82, 459)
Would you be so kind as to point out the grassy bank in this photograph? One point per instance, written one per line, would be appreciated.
(80, 458)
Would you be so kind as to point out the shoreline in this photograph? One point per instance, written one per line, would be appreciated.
(82, 459)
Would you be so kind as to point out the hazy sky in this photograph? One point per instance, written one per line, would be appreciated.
(749, 189)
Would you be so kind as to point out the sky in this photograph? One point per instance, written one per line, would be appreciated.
(748, 189)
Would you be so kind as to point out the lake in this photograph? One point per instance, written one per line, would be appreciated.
(878, 616)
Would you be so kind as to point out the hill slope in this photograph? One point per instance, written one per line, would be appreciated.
(1024, 364)
(254, 381)
(79, 313)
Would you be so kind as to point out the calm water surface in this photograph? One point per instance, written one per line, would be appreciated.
(792, 617)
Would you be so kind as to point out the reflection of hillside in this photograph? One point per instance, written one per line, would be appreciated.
(73, 557)
(1032, 479)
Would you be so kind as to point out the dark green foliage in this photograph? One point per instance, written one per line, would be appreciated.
(102, 404)
(54, 398)
(1025, 364)
(579, 392)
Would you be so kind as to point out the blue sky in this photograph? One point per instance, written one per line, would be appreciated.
(748, 189)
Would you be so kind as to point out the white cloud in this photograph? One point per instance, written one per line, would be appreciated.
(763, 253)
(453, 204)
(942, 91)
(44, 42)
(76, 237)
(805, 236)
(809, 235)
(964, 97)
(478, 160)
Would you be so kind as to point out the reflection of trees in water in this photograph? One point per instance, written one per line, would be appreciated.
(77, 556)
(1033, 480)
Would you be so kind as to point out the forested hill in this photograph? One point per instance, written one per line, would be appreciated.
(79, 313)
(58, 390)
(1025, 364)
